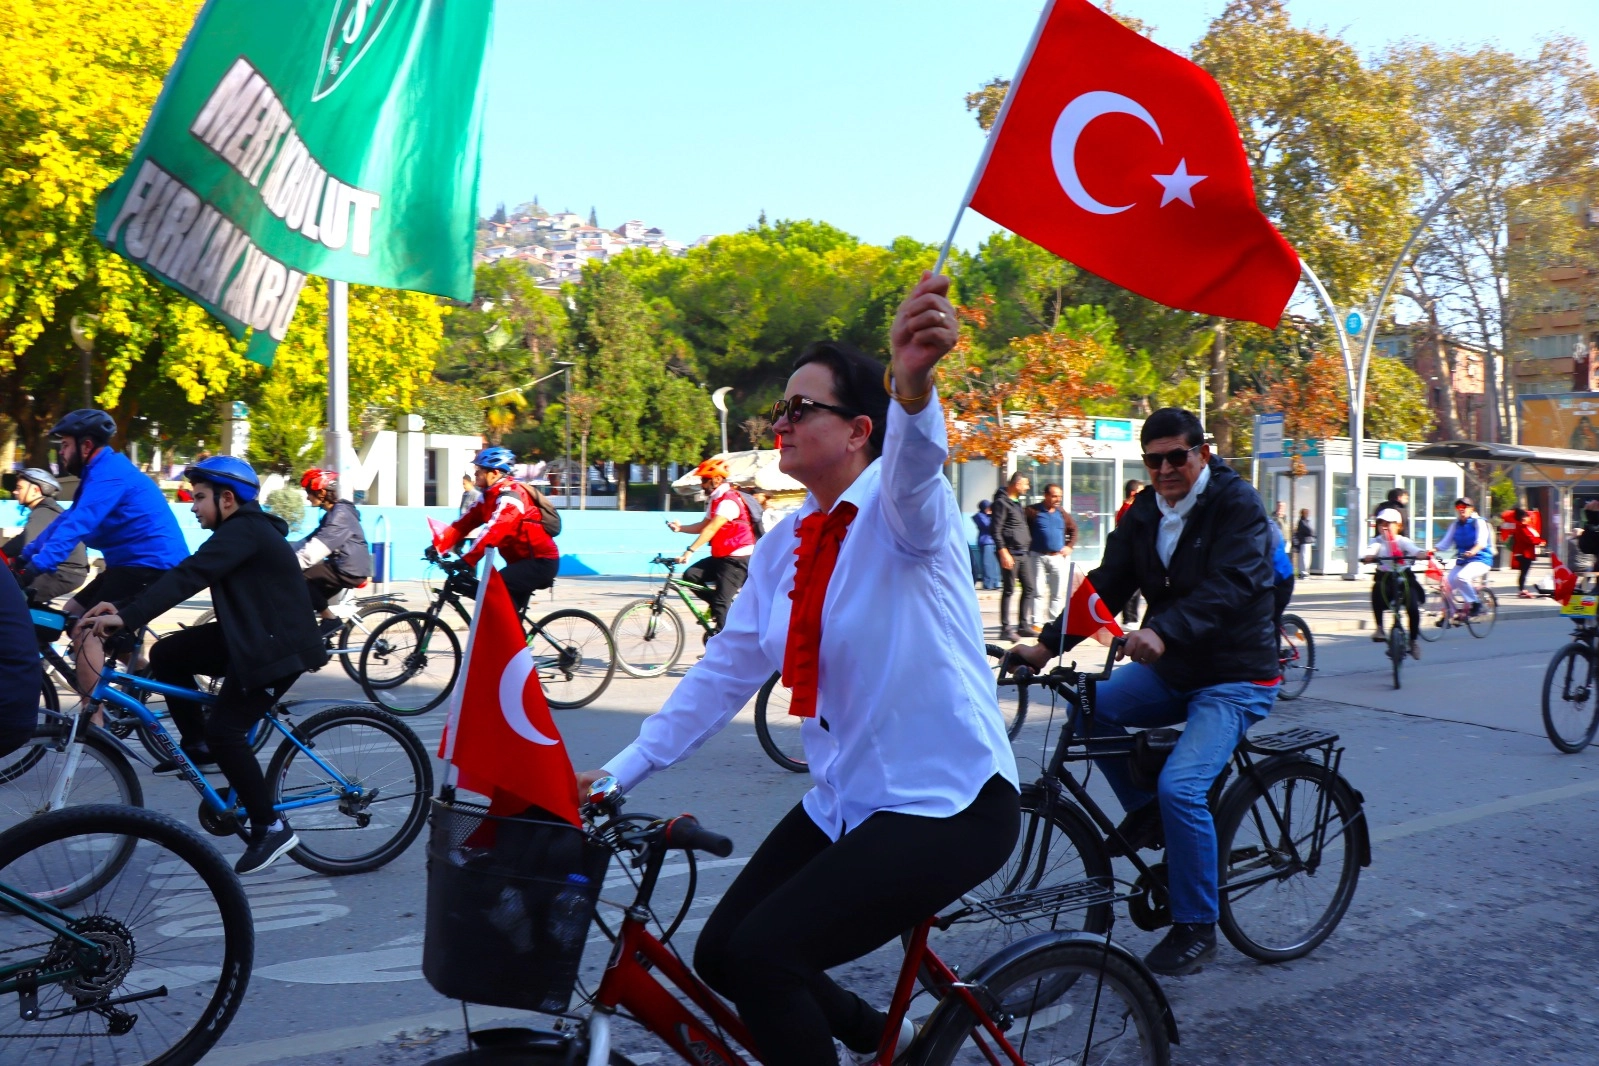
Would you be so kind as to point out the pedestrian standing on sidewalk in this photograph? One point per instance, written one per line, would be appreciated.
(1130, 493)
(987, 560)
(1524, 541)
(1054, 535)
(1013, 543)
(1304, 537)
(1279, 518)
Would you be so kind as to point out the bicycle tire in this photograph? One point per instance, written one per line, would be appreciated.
(104, 776)
(410, 663)
(351, 660)
(1299, 666)
(1572, 722)
(1057, 845)
(1013, 710)
(1483, 624)
(642, 626)
(571, 671)
(337, 819)
(1245, 911)
(512, 1054)
(779, 750)
(1398, 648)
(1067, 975)
(174, 858)
(27, 757)
(1432, 616)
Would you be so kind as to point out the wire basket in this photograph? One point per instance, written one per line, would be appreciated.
(510, 903)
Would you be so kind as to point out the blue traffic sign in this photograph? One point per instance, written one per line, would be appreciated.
(1353, 324)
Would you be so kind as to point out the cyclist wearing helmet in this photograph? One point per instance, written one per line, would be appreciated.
(117, 511)
(36, 490)
(514, 518)
(336, 555)
(264, 638)
(728, 528)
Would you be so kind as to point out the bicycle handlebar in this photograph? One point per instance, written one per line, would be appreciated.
(668, 561)
(685, 832)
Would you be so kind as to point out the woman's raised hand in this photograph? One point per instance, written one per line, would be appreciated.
(924, 331)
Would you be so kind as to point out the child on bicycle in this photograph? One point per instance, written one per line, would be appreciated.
(1392, 554)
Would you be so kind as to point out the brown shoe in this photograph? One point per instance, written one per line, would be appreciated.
(1415, 649)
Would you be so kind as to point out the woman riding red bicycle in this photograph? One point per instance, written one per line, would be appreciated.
(863, 597)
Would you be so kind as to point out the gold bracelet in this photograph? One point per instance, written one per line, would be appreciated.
(888, 387)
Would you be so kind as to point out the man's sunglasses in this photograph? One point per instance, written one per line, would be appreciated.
(1177, 457)
(795, 407)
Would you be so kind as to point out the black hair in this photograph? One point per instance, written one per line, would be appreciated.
(1017, 476)
(1173, 422)
(1132, 484)
(857, 384)
(1052, 485)
(1394, 494)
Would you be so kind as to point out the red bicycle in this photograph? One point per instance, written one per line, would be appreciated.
(1052, 998)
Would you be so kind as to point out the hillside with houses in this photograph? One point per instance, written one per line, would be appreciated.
(555, 245)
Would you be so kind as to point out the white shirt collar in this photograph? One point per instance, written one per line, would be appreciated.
(860, 490)
(1186, 504)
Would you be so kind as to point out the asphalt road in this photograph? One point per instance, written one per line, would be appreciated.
(1469, 941)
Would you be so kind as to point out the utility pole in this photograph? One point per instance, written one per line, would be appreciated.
(566, 406)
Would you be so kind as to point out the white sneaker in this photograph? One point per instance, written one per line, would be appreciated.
(907, 1033)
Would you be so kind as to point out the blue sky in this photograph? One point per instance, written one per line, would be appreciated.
(694, 115)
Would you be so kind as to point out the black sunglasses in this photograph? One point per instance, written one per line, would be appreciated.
(1176, 457)
(794, 409)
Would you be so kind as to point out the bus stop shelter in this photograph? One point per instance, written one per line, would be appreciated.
(1558, 472)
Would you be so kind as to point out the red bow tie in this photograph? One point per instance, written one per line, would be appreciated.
(820, 538)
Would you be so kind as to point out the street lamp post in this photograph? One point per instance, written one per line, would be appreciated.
(719, 401)
(566, 406)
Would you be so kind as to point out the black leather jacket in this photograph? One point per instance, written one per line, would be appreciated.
(1011, 530)
(1213, 607)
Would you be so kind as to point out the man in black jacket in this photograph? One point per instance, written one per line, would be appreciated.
(1196, 544)
(36, 490)
(1013, 543)
(335, 556)
(264, 638)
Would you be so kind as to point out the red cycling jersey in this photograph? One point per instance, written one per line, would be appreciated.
(511, 514)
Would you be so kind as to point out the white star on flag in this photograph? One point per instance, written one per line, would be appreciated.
(1179, 184)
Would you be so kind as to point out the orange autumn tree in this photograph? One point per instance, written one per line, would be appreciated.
(1312, 398)
(996, 402)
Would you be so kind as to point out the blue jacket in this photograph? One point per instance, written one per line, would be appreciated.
(1281, 564)
(1472, 540)
(119, 512)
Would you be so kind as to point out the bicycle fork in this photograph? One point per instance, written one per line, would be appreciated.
(74, 752)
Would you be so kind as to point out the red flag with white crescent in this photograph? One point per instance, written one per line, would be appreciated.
(1087, 615)
(1565, 580)
(436, 530)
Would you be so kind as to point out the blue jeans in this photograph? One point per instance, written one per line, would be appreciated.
(990, 559)
(1217, 717)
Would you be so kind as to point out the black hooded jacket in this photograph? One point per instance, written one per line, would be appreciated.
(260, 598)
(1213, 607)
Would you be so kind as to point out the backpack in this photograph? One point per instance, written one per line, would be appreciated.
(753, 509)
(549, 517)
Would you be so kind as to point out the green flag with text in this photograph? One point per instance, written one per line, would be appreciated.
(294, 137)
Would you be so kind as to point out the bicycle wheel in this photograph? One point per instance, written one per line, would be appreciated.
(574, 655)
(410, 663)
(1297, 650)
(1281, 894)
(103, 775)
(520, 1047)
(1570, 706)
(777, 730)
(370, 817)
(1063, 1002)
(357, 631)
(18, 762)
(173, 921)
(1058, 863)
(1432, 615)
(649, 638)
(1483, 623)
(1011, 707)
(1398, 648)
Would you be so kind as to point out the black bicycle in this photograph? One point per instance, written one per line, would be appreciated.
(1570, 687)
(1400, 640)
(146, 961)
(1291, 835)
(410, 662)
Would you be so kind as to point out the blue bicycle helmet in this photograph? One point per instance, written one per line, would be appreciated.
(495, 459)
(86, 422)
(226, 472)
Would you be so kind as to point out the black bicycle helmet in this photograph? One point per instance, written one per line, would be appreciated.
(86, 422)
(42, 478)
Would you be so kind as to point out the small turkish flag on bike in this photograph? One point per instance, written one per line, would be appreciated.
(1123, 157)
(436, 531)
(1565, 580)
(1087, 615)
(501, 737)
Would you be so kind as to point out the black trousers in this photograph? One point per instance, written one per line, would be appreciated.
(725, 576)
(324, 582)
(527, 576)
(1281, 593)
(175, 659)
(1523, 565)
(1024, 573)
(806, 904)
(1388, 587)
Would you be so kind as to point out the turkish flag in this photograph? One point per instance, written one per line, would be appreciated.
(1434, 571)
(1087, 615)
(437, 531)
(1123, 157)
(1565, 580)
(502, 739)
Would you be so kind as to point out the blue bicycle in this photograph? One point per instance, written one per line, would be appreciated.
(355, 779)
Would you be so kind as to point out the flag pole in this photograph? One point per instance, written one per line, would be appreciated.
(993, 134)
(453, 721)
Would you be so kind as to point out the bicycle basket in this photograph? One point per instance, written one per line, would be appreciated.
(510, 902)
(48, 624)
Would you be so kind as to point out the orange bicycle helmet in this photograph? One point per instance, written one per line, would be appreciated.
(315, 480)
(712, 468)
